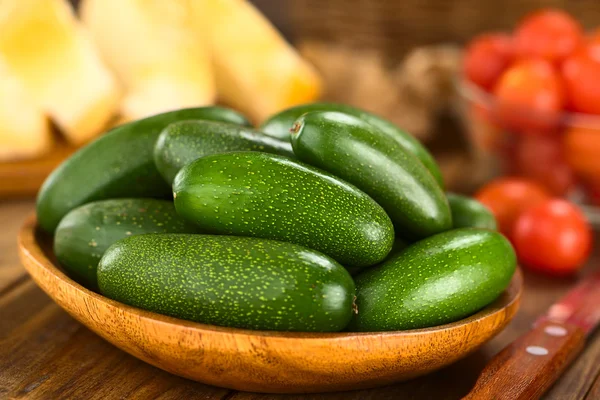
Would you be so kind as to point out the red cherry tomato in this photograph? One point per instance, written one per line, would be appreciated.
(541, 159)
(582, 152)
(549, 34)
(592, 45)
(553, 237)
(486, 57)
(507, 198)
(581, 75)
(530, 97)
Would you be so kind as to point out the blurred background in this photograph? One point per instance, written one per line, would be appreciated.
(400, 59)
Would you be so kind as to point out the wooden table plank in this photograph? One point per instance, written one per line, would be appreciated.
(12, 214)
(448, 384)
(44, 353)
(594, 393)
(578, 379)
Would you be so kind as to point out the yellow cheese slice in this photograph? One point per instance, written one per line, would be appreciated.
(24, 129)
(256, 70)
(45, 47)
(153, 48)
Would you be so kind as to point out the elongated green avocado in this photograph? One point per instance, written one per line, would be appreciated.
(85, 233)
(119, 163)
(470, 213)
(438, 280)
(182, 142)
(279, 126)
(359, 153)
(274, 197)
(229, 281)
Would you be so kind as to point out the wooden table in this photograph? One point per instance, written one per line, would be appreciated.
(46, 354)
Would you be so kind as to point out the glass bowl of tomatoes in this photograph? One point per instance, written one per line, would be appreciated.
(531, 102)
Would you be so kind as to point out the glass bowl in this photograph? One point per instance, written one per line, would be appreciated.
(560, 151)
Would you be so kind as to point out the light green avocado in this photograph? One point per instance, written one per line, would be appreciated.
(274, 197)
(435, 281)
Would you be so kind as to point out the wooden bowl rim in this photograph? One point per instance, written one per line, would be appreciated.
(29, 246)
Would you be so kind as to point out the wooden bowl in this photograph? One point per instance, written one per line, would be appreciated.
(260, 361)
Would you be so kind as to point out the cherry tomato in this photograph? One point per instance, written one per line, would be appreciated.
(530, 97)
(549, 34)
(541, 159)
(553, 237)
(581, 75)
(486, 57)
(507, 198)
(582, 152)
(592, 45)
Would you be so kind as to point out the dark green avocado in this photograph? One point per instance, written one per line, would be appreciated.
(361, 154)
(182, 142)
(470, 213)
(229, 281)
(279, 126)
(85, 233)
(119, 163)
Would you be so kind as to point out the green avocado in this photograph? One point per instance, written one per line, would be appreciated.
(119, 163)
(470, 213)
(182, 142)
(229, 281)
(85, 233)
(279, 126)
(437, 280)
(359, 153)
(274, 197)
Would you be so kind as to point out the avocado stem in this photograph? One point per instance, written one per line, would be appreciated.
(296, 128)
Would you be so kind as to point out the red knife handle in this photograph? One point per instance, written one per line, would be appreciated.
(526, 368)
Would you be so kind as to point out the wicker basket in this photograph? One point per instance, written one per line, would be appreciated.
(395, 26)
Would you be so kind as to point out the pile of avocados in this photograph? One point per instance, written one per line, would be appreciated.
(326, 218)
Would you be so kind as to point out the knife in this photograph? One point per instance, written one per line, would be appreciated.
(527, 367)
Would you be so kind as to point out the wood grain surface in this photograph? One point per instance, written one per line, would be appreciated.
(46, 354)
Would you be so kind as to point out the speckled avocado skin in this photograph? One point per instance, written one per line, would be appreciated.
(182, 142)
(280, 124)
(274, 197)
(119, 163)
(354, 150)
(229, 281)
(397, 247)
(470, 213)
(438, 280)
(85, 233)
